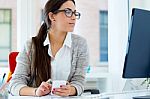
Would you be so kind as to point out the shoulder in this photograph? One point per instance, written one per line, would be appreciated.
(76, 39)
(28, 45)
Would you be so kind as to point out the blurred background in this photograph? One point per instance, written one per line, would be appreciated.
(104, 24)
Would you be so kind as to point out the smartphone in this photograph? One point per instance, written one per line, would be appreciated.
(56, 84)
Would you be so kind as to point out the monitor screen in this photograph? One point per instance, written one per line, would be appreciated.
(137, 59)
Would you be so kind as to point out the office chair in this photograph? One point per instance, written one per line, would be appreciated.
(12, 61)
(12, 64)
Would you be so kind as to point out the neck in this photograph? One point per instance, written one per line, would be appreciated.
(57, 37)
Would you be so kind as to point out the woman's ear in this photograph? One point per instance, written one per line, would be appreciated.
(51, 16)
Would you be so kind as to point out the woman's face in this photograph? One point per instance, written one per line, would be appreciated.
(62, 22)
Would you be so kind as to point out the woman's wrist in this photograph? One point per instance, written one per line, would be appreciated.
(73, 91)
(35, 92)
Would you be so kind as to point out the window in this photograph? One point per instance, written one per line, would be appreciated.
(42, 15)
(103, 36)
(5, 34)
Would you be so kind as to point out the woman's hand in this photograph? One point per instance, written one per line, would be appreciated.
(65, 90)
(43, 89)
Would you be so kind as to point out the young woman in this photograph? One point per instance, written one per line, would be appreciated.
(55, 53)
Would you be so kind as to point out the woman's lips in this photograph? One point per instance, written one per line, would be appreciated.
(72, 24)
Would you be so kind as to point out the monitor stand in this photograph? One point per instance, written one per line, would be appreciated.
(142, 97)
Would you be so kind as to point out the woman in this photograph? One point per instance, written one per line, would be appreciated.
(54, 54)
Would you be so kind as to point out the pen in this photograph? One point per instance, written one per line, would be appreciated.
(3, 77)
(4, 85)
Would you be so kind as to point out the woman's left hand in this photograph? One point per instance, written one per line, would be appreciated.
(64, 90)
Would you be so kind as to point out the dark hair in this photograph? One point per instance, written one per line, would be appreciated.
(41, 68)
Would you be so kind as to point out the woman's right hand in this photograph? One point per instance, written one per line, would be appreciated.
(43, 89)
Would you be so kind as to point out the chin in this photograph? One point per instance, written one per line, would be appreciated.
(70, 30)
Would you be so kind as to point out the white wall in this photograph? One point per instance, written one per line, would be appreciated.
(89, 26)
(27, 20)
(142, 4)
(117, 40)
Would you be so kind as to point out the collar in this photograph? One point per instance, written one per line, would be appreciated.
(67, 41)
(46, 42)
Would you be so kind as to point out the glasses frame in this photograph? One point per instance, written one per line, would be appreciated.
(77, 14)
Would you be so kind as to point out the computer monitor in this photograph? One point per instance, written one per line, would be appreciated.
(137, 59)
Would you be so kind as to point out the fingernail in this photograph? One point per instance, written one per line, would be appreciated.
(53, 92)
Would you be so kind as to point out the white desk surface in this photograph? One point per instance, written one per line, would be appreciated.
(119, 95)
(125, 94)
(56, 97)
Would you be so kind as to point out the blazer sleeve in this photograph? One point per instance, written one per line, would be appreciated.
(82, 62)
(21, 74)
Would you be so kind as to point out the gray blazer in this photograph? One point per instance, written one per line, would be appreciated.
(79, 61)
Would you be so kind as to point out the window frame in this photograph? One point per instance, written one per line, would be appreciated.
(100, 27)
(10, 33)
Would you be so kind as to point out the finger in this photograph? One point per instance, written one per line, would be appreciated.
(47, 85)
(40, 92)
(65, 87)
(43, 88)
(59, 90)
(49, 81)
(67, 83)
(60, 93)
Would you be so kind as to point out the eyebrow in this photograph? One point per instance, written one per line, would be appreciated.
(67, 8)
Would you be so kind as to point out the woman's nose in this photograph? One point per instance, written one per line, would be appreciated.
(73, 16)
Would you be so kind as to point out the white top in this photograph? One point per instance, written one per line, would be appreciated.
(61, 63)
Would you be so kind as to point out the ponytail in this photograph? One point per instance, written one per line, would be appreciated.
(41, 68)
(42, 32)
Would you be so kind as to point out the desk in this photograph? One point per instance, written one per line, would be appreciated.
(56, 97)
(119, 95)
(125, 94)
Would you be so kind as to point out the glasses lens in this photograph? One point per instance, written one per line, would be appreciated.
(77, 14)
(68, 12)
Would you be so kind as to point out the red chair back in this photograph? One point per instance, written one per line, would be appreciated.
(12, 61)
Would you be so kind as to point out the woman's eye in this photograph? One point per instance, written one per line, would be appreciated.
(68, 12)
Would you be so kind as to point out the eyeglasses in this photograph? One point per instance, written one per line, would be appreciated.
(68, 12)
